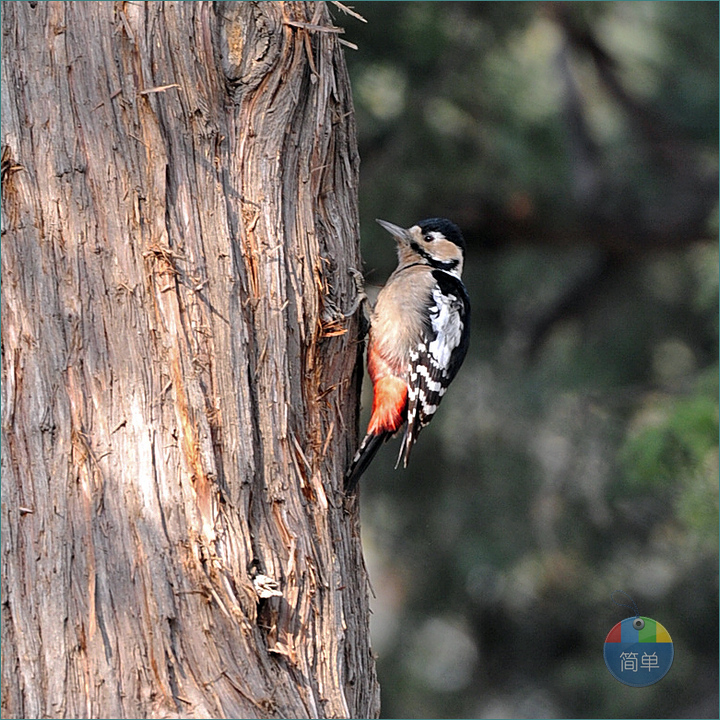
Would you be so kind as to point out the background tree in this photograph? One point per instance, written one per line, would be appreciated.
(577, 451)
(179, 219)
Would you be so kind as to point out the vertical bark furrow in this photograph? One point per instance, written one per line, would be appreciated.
(178, 381)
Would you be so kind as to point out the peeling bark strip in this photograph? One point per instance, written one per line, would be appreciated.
(179, 396)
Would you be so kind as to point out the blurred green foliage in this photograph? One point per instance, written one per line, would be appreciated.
(675, 456)
(576, 453)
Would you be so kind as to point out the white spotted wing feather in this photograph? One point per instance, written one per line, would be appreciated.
(438, 355)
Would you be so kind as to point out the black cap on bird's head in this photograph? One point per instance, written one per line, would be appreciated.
(448, 228)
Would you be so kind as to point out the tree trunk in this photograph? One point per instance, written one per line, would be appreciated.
(179, 385)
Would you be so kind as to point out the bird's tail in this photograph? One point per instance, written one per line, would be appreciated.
(363, 457)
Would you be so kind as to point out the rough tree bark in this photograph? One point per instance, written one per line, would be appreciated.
(179, 385)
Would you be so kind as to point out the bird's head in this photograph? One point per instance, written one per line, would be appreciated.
(436, 242)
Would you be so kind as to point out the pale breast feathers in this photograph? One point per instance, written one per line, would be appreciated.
(399, 321)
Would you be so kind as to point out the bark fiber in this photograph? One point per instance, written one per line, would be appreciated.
(179, 378)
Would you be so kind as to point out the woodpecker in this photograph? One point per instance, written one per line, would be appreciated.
(419, 333)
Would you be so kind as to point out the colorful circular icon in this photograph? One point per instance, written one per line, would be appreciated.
(638, 651)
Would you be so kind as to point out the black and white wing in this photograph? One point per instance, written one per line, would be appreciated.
(438, 356)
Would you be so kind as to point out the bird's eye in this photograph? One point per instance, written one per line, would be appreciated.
(429, 237)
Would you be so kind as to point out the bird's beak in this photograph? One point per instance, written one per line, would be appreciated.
(400, 234)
